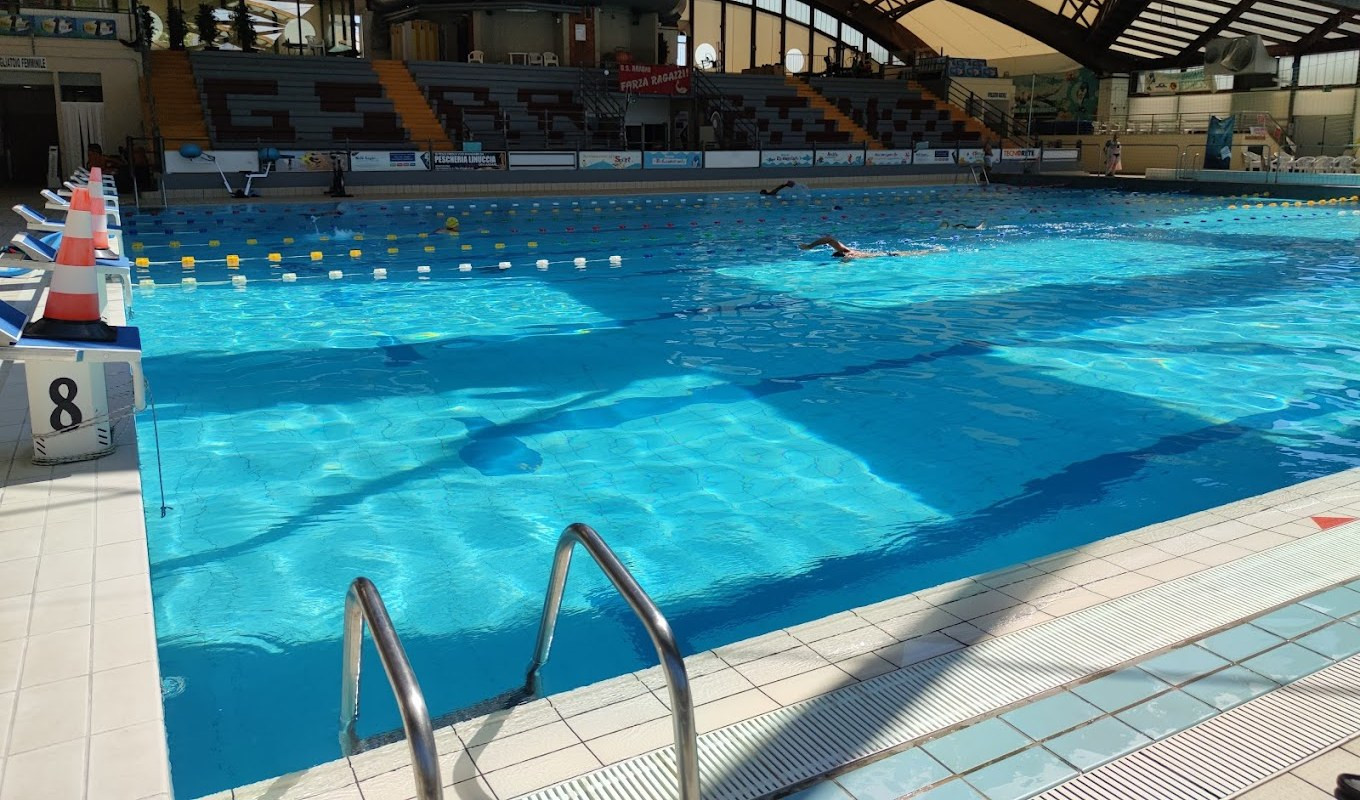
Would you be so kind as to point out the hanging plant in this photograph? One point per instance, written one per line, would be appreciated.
(206, 20)
(175, 27)
(243, 27)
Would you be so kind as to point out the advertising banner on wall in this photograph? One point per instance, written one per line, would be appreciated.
(933, 157)
(384, 160)
(887, 158)
(840, 158)
(228, 160)
(1057, 96)
(303, 161)
(673, 159)
(653, 79)
(623, 159)
(61, 27)
(542, 160)
(1019, 153)
(1062, 154)
(786, 158)
(469, 160)
(1175, 81)
(731, 159)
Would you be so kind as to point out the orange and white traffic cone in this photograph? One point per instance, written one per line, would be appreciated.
(72, 310)
(99, 216)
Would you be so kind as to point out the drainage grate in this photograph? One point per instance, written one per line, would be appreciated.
(1236, 749)
(777, 750)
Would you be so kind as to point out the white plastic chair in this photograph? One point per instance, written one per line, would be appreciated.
(534, 59)
(1283, 162)
(1304, 164)
(550, 60)
(1345, 164)
(315, 46)
(1324, 164)
(1252, 162)
(476, 56)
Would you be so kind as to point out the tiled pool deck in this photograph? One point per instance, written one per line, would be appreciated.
(80, 713)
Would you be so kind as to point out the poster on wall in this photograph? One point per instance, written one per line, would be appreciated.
(59, 26)
(1174, 81)
(1218, 143)
(840, 158)
(887, 158)
(934, 157)
(1019, 153)
(384, 160)
(627, 159)
(1060, 95)
(469, 160)
(654, 79)
(673, 159)
(303, 161)
(786, 158)
(227, 161)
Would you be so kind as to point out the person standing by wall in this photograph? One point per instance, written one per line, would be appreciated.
(1113, 152)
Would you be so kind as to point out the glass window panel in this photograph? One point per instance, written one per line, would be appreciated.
(798, 11)
(767, 40)
(852, 37)
(1328, 69)
(877, 51)
(707, 34)
(824, 22)
(737, 49)
(821, 47)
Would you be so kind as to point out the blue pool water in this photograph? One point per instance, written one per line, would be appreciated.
(766, 436)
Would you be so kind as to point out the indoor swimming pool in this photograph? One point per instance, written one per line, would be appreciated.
(764, 435)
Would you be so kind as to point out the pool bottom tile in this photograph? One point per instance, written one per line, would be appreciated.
(1020, 776)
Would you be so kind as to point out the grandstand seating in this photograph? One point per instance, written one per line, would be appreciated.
(506, 107)
(783, 117)
(294, 101)
(897, 114)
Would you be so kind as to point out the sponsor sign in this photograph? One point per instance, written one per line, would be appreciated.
(1019, 154)
(933, 157)
(972, 156)
(303, 161)
(211, 160)
(469, 160)
(1062, 154)
(840, 158)
(652, 79)
(1256, 133)
(384, 160)
(731, 159)
(625, 159)
(887, 158)
(541, 160)
(786, 158)
(673, 159)
(23, 63)
(61, 27)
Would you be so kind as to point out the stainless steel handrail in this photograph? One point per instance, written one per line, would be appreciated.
(364, 604)
(677, 679)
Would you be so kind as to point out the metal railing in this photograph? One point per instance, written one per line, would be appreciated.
(672, 664)
(364, 604)
(993, 116)
(737, 132)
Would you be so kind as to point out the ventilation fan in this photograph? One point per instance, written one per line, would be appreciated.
(1244, 56)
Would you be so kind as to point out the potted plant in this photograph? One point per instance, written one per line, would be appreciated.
(243, 28)
(175, 28)
(206, 20)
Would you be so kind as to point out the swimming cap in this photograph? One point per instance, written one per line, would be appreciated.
(451, 223)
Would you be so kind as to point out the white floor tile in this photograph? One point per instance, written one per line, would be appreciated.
(129, 763)
(55, 772)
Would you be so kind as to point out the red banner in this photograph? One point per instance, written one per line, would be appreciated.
(651, 79)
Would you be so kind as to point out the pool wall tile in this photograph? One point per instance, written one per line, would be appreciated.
(893, 776)
(1102, 741)
(1230, 687)
(1339, 602)
(1291, 621)
(1336, 641)
(977, 744)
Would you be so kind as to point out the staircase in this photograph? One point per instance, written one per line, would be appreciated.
(843, 123)
(970, 123)
(174, 95)
(411, 105)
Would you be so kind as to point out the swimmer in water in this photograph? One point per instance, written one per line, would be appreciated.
(839, 250)
(450, 227)
(776, 190)
(980, 226)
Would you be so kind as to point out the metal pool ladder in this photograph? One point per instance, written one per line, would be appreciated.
(363, 604)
